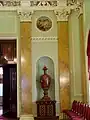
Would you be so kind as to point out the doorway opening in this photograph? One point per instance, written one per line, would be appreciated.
(8, 78)
(1, 91)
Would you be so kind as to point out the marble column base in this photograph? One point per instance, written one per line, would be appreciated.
(27, 117)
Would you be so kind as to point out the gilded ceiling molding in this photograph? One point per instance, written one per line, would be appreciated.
(25, 15)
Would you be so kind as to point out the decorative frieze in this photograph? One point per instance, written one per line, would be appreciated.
(43, 3)
(25, 8)
(33, 3)
(44, 39)
(10, 3)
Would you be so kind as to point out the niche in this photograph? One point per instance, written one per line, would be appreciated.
(48, 62)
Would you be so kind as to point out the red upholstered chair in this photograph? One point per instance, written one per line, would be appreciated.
(72, 109)
(74, 105)
(78, 118)
(77, 115)
(88, 113)
(81, 108)
(79, 111)
(84, 109)
(67, 112)
(73, 112)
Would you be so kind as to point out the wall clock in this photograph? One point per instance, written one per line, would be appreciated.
(44, 23)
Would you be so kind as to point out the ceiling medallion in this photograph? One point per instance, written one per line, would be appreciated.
(44, 23)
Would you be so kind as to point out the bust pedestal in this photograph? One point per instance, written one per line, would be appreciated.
(46, 110)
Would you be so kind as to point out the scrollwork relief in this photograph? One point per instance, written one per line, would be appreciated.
(10, 3)
(43, 3)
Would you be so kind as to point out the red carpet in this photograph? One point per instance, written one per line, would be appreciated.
(3, 118)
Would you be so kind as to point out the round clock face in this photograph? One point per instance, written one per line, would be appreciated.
(44, 23)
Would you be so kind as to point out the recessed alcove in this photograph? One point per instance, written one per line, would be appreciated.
(48, 62)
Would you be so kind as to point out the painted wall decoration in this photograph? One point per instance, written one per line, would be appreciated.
(44, 23)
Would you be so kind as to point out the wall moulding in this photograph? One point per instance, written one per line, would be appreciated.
(44, 39)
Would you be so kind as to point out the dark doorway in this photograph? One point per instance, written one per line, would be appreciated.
(10, 90)
(8, 78)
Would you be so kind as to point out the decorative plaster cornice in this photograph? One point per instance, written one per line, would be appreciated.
(10, 3)
(34, 3)
(44, 39)
(25, 15)
(25, 8)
